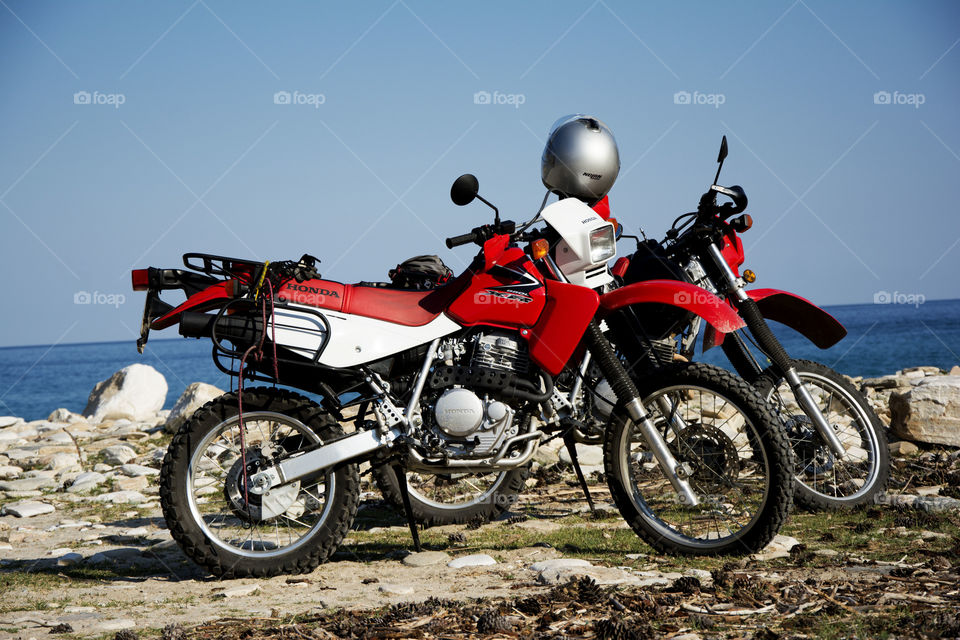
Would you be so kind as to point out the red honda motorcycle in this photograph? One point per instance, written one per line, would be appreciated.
(459, 380)
(839, 442)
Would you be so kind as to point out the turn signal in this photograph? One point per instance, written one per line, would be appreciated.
(539, 248)
(141, 279)
(742, 223)
(749, 276)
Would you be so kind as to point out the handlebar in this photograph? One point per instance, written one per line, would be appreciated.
(457, 241)
(479, 235)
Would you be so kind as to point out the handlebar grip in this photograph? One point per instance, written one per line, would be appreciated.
(457, 241)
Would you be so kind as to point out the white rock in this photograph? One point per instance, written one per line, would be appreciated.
(28, 484)
(557, 563)
(395, 589)
(425, 558)
(135, 392)
(586, 455)
(779, 547)
(59, 461)
(69, 559)
(904, 448)
(239, 591)
(64, 415)
(136, 470)
(116, 625)
(193, 397)
(474, 560)
(9, 471)
(9, 421)
(120, 497)
(928, 411)
(118, 454)
(28, 509)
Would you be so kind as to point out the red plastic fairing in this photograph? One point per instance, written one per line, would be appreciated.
(325, 294)
(732, 251)
(798, 313)
(211, 297)
(511, 295)
(603, 207)
(678, 294)
(557, 334)
(620, 267)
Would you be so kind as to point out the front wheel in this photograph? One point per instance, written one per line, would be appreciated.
(823, 480)
(218, 517)
(731, 450)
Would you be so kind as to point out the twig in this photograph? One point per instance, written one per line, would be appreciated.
(77, 446)
(735, 612)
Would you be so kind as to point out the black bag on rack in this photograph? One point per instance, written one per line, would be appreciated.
(421, 273)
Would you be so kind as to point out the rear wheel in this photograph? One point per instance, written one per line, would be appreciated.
(731, 450)
(216, 515)
(453, 498)
(823, 480)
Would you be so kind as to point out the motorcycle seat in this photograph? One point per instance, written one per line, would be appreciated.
(408, 307)
(392, 305)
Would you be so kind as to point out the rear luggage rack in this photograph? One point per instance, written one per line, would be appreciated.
(214, 265)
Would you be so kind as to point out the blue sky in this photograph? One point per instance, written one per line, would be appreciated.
(182, 146)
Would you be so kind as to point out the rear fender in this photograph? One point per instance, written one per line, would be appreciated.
(798, 313)
(679, 294)
(214, 296)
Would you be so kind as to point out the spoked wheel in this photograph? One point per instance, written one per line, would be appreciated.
(730, 448)
(825, 481)
(227, 524)
(453, 498)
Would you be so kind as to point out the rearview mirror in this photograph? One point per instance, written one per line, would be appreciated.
(464, 189)
(723, 150)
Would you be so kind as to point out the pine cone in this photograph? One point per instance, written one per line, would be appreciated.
(492, 622)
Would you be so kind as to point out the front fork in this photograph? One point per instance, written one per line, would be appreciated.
(771, 346)
(626, 391)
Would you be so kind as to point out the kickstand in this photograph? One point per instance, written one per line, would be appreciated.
(572, 450)
(401, 474)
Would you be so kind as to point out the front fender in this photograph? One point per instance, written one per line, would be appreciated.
(798, 313)
(679, 294)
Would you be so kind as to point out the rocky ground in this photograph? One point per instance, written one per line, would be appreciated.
(84, 551)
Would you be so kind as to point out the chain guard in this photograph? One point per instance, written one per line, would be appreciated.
(266, 506)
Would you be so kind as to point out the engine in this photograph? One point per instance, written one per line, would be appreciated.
(469, 406)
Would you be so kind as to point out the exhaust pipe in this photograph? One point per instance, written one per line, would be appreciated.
(236, 328)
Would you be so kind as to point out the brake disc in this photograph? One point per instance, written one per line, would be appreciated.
(709, 454)
(808, 447)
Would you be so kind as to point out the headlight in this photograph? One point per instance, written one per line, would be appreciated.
(603, 245)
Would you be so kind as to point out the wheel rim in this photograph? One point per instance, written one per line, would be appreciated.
(454, 491)
(732, 480)
(845, 480)
(271, 526)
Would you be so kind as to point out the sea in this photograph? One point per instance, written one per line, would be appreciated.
(881, 339)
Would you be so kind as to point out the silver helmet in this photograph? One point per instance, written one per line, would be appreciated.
(581, 158)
